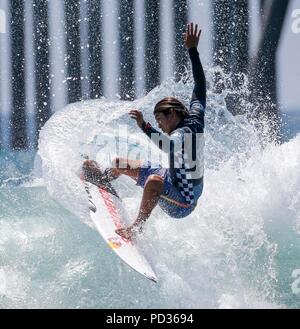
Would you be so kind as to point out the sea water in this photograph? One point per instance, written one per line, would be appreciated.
(239, 249)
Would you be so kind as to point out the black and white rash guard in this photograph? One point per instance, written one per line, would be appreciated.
(185, 144)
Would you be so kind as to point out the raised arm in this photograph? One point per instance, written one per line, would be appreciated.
(191, 40)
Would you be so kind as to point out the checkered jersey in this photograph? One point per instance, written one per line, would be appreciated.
(187, 140)
(186, 150)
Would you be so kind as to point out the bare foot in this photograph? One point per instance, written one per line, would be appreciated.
(90, 165)
(127, 233)
(91, 172)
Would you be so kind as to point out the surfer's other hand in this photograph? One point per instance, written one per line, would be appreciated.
(137, 116)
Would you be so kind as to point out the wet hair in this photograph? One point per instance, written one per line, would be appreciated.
(166, 104)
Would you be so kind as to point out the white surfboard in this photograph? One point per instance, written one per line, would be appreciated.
(108, 214)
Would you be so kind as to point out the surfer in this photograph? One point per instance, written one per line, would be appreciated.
(175, 189)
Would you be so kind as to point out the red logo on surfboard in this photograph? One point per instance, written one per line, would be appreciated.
(113, 211)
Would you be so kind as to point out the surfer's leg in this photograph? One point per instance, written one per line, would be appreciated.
(152, 191)
(120, 166)
(123, 166)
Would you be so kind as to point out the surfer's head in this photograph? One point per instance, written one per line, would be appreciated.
(169, 112)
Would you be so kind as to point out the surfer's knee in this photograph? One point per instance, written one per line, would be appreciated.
(155, 183)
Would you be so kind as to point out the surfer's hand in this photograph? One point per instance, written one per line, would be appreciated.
(191, 36)
(137, 116)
